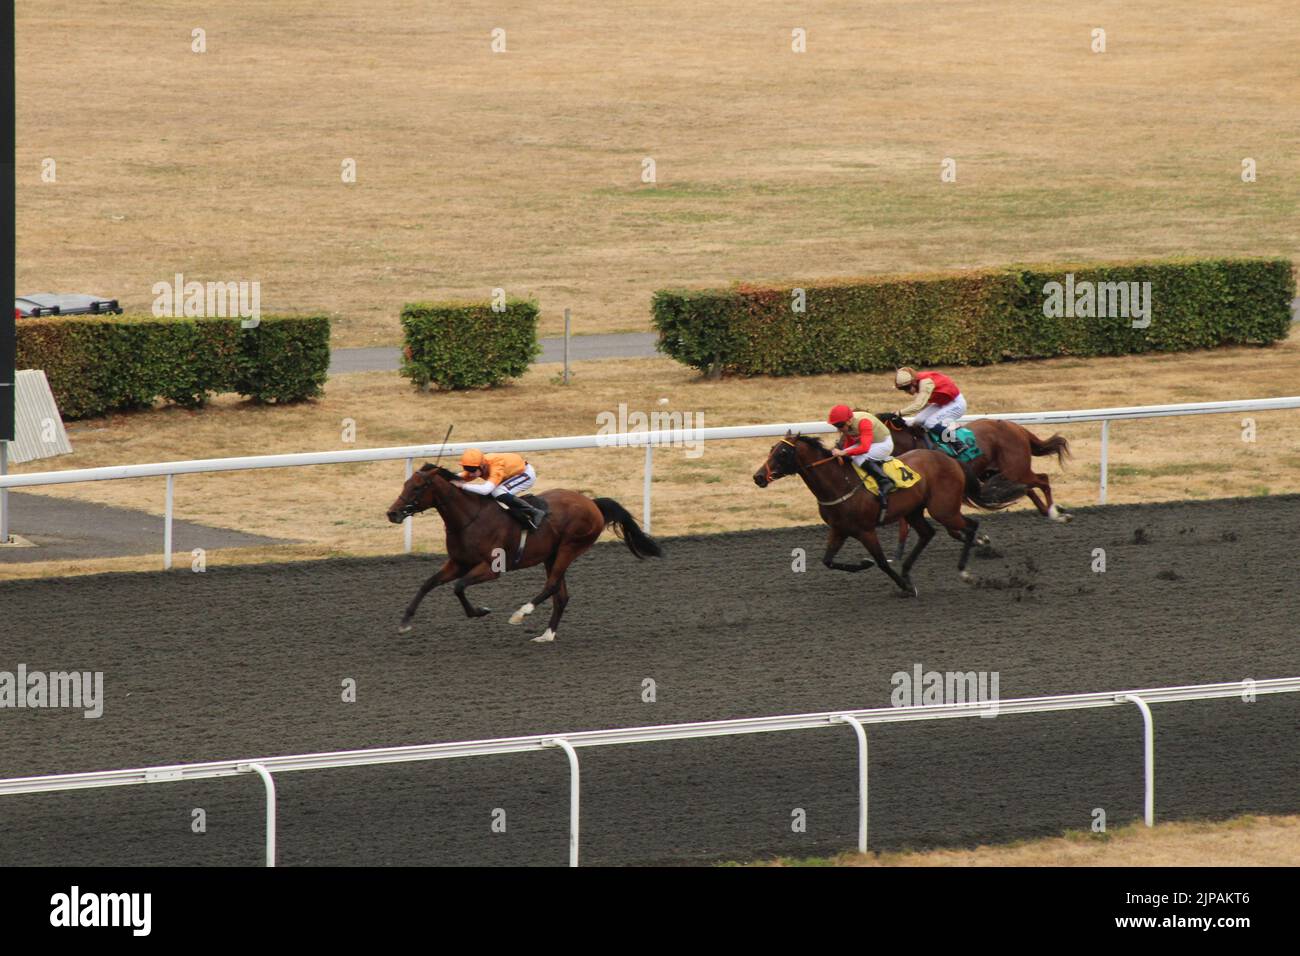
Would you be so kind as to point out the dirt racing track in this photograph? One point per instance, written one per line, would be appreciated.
(249, 661)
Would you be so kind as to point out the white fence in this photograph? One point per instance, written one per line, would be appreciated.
(647, 439)
(569, 743)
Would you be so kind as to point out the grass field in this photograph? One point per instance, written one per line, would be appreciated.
(523, 169)
(339, 509)
(1245, 841)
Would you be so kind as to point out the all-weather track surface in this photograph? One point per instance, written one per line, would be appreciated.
(241, 662)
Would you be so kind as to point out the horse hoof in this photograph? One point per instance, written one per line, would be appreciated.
(480, 612)
(404, 629)
(968, 577)
(546, 637)
(523, 612)
(982, 540)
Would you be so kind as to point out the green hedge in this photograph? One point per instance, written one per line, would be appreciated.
(969, 318)
(466, 344)
(99, 364)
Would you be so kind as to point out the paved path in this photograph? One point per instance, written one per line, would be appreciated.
(581, 348)
(62, 529)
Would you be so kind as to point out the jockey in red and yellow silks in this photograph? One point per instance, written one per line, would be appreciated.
(501, 476)
(867, 443)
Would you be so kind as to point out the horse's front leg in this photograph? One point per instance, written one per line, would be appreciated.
(833, 544)
(483, 571)
(448, 572)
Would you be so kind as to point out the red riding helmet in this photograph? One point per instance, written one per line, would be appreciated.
(840, 414)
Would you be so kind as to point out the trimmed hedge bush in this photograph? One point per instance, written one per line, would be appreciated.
(99, 364)
(466, 345)
(973, 318)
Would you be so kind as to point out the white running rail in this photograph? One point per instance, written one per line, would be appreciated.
(646, 439)
(570, 743)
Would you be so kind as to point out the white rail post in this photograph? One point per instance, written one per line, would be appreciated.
(167, 524)
(4, 493)
(1105, 457)
(265, 774)
(573, 795)
(861, 733)
(409, 522)
(1149, 757)
(645, 493)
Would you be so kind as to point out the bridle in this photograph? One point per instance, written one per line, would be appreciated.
(799, 467)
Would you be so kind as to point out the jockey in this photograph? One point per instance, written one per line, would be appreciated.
(867, 443)
(938, 404)
(501, 476)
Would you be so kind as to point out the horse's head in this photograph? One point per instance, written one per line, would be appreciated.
(893, 421)
(785, 458)
(417, 493)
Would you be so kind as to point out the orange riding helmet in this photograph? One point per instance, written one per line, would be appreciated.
(471, 458)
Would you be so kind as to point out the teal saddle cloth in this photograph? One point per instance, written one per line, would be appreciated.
(965, 435)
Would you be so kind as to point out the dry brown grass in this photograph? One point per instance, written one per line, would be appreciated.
(1245, 841)
(340, 508)
(522, 169)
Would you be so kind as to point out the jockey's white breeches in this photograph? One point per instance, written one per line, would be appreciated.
(941, 416)
(879, 451)
(516, 484)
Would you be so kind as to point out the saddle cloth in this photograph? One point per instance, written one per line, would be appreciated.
(972, 447)
(902, 476)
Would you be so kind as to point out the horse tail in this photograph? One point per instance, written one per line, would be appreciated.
(1056, 445)
(992, 495)
(625, 526)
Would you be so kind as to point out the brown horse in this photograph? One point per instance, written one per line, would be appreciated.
(852, 512)
(483, 540)
(1007, 449)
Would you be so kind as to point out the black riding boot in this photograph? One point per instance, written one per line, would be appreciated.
(522, 511)
(884, 483)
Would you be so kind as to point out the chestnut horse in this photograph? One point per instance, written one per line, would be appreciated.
(852, 512)
(483, 540)
(1006, 448)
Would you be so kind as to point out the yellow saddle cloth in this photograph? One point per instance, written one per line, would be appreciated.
(903, 476)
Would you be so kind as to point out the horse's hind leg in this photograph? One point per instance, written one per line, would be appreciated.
(555, 568)
(448, 572)
(902, 540)
(483, 571)
(1050, 510)
(872, 544)
(558, 603)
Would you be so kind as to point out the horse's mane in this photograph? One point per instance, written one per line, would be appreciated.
(813, 441)
(438, 469)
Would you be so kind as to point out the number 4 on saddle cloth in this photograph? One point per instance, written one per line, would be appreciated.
(902, 476)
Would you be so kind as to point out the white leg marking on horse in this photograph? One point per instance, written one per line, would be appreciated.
(1056, 515)
(982, 540)
(967, 577)
(545, 637)
(523, 612)
(404, 629)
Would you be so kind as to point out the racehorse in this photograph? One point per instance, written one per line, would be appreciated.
(483, 540)
(852, 512)
(1005, 448)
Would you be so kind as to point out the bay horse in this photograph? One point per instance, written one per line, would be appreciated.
(483, 541)
(1006, 448)
(852, 512)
